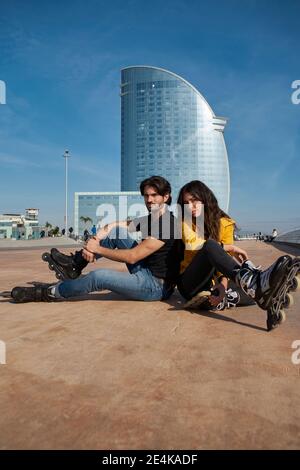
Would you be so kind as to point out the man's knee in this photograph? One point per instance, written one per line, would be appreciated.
(92, 278)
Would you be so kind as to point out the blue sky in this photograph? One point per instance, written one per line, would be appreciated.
(61, 63)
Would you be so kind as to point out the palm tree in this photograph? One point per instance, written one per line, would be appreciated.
(86, 220)
(48, 226)
(55, 231)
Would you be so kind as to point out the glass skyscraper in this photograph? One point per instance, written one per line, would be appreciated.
(169, 129)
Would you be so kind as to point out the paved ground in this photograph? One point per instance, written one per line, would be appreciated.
(9, 244)
(112, 374)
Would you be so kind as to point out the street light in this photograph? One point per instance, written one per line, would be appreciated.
(66, 155)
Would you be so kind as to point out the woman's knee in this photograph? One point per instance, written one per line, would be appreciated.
(211, 245)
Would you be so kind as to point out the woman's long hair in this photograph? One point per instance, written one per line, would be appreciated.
(212, 211)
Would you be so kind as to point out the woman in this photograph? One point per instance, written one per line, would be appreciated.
(201, 257)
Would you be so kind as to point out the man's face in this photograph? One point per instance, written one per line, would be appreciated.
(153, 200)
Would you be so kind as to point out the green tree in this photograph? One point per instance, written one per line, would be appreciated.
(55, 231)
(48, 228)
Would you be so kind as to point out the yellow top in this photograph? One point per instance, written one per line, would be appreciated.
(193, 243)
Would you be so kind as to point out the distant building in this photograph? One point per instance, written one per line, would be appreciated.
(18, 226)
(105, 207)
(169, 129)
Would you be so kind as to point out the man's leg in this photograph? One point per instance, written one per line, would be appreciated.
(140, 285)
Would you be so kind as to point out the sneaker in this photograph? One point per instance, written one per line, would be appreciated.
(231, 299)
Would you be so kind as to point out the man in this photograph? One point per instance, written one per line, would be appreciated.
(153, 264)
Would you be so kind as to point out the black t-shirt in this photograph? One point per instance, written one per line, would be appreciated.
(165, 262)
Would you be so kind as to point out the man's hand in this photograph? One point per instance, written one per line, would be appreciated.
(93, 245)
(91, 248)
(218, 295)
(88, 256)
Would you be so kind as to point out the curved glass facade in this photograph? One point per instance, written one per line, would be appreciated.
(168, 129)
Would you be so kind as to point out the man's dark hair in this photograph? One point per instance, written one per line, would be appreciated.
(161, 185)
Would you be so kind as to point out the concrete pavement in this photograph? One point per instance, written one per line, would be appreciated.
(46, 243)
(106, 373)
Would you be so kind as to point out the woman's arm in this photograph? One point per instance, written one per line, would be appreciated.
(237, 252)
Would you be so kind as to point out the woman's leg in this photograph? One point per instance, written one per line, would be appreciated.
(199, 273)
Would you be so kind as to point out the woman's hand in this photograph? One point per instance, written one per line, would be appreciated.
(218, 295)
(237, 252)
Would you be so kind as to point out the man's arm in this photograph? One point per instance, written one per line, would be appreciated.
(131, 256)
(104, 231)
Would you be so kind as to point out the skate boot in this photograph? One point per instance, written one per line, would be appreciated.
(269, 287)
(40, 293)
(284, 299)
(294, 278)
(65, 266)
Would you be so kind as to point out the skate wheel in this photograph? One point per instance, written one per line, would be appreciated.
(281, 316)
(274, 320)
(51, 267)
(58, 276)
(295, 283)
(271, 325)
(45, 256)
(288, 301)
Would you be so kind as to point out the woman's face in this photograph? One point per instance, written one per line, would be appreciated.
(195, 206)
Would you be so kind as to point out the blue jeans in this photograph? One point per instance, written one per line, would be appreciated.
(138, 284)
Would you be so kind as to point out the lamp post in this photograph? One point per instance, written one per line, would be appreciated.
(66, 155)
